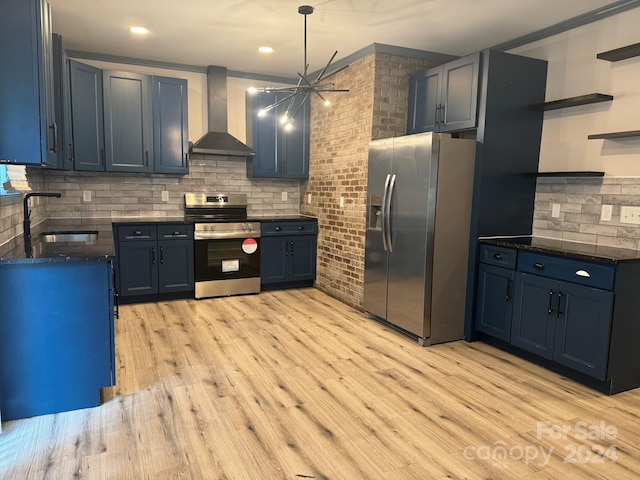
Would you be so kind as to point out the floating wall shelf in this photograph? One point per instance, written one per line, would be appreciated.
(620, 53)
(572, 102)
(613, 135)
(566, 174)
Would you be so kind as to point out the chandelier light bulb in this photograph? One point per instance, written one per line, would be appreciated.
(285, 119)
(288, 127)
(327, 103)
(262, 112)
(252, 90)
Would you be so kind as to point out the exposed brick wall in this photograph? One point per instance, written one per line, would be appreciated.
(375, 107)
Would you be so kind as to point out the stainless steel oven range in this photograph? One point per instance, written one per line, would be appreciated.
(227, 245)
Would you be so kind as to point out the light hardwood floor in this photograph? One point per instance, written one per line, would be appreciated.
(296, 385)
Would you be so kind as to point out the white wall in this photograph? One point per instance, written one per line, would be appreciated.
(574, 70)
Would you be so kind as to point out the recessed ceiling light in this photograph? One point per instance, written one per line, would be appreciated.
(139, 30)
(265, 49)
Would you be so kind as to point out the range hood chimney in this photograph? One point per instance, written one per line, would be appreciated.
(217, 141)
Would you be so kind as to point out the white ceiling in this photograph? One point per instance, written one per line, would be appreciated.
(228, 32)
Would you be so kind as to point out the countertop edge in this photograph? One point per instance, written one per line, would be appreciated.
(510, 242)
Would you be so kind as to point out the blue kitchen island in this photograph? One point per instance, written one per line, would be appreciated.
(57, 347)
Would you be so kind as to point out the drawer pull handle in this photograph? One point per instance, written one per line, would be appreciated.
(277, 229)
(137, 233)
(538, 265)
(497, 256)
(300, 228)
(558, 308)
(175, 234)
(583, 273)
(550, 310)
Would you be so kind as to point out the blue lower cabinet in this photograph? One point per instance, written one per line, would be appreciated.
(288, 254)
(495, 301)
(572, 314)
(564, 322)
(154, 262)
(57, 348)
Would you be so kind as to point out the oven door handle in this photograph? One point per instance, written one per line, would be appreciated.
(224, 235)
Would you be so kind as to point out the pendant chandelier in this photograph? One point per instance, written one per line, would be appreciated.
(305, 87)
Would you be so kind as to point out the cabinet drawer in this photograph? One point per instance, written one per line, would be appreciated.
(499, 256)
(136, 232)
(570, 270)
(288, 228)
(175, 232)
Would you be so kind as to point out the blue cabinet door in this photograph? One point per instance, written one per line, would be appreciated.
(170, 125)
(459, 94)
(274, 260)
(264, 137)
(87, 117)
(137, 262)
(62, 105)
(495, 301)
(302, 257)
(127, 122)
(27, 117)
(424, 97)
(534, 314)
(294, 151)
(583, 327)
(280, 153)
(175, 267)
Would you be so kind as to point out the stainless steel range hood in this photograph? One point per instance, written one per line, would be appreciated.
(217, 141)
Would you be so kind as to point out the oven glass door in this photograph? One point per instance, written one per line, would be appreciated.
(222, 259)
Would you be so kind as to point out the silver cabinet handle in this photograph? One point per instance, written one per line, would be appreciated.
(583, 273)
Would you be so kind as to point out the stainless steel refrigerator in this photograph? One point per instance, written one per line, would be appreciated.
(417, 234)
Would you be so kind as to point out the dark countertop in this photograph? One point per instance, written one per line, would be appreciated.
(54, 259)
(104, 245)
(282, 218)
(565, 248)
(180, 219)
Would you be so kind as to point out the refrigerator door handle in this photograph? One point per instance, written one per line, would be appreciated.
(384, 212)
(387, 215)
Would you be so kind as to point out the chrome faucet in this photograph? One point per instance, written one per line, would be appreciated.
(28, 249)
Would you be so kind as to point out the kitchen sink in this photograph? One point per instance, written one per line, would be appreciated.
(77, 236)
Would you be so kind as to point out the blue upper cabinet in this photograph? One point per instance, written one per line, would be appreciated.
(170, 127)
(128, 122)
(28, 131)
(62, 105)
(280, 153)
(128, 126)
(86, 117)
(445, 98)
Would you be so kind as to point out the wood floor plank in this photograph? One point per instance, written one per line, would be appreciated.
(294, 385)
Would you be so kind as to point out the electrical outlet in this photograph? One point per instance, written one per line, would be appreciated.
(341, 202)
(630, 215)
(284, 196)
(605, 213)
(86, 195)
(555, 210)
(165, 196)
(308, 198)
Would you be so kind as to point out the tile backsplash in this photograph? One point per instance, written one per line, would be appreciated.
(580, 201)
(113, 195)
